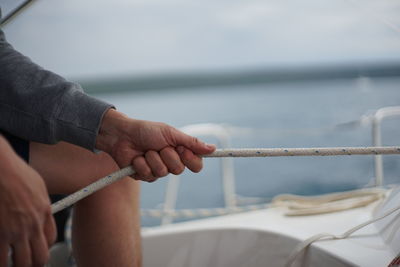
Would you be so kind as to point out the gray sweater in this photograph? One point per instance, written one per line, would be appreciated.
(38, 105)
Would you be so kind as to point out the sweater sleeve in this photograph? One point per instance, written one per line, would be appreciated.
(38, 105)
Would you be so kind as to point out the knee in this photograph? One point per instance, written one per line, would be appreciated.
(94, 168)
(122, 193)
(99, 167)
(103, 165)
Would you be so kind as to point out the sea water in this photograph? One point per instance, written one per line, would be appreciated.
(292, 114)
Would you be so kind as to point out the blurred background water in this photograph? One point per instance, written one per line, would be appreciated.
(288, 70)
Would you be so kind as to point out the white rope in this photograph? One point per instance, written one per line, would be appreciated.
(90, 189)
(260, 152)
(333, 202)
(296, 205)
(318, 151)
(198, 213)
(326, 236)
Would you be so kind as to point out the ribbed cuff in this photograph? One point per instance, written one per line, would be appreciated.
(80, 119)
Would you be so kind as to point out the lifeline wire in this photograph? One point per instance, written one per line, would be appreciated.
(253, 152)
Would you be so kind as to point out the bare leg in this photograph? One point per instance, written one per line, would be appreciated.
(106, 225)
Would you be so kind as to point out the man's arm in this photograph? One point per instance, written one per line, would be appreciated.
(38, 105)
(26, 223)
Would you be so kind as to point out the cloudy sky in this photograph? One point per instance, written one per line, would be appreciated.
(90, 38)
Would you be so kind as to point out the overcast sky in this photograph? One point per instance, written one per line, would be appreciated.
(88, 38)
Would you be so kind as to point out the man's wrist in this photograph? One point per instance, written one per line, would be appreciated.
(112, 128)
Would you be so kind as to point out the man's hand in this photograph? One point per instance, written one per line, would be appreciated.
(26, 224)
(153, 149)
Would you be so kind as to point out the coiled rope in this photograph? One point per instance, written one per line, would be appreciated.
(295, 205)
(259, 152)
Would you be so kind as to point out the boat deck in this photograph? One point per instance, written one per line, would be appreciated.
(267, 238)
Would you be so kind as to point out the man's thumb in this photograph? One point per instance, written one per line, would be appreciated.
(195, 145)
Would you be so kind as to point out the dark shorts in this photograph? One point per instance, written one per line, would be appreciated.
(20, 146)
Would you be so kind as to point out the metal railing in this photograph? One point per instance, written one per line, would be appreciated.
(228, 177)
(376, 121)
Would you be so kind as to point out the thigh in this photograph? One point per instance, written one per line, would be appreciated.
(67, 168)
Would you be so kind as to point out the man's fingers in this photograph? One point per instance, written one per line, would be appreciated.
(193, 143)
(49, 230)
(22, 254)
(193, 162)
(39, 249)
(169, 160)
(3, 254)
(157, 166)
(172, 160)
(143, 171)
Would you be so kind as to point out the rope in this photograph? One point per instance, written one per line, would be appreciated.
(326, 236)
(260, 152)
(311, 205)
(90, 189)
(198, 213)
(296, 205)
(318, 151)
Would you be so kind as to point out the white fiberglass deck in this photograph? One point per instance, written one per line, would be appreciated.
(268, 237)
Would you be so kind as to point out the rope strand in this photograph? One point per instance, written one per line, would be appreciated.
(259, 152)
(318, 151)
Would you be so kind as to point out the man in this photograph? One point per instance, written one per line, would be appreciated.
(61, 127)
